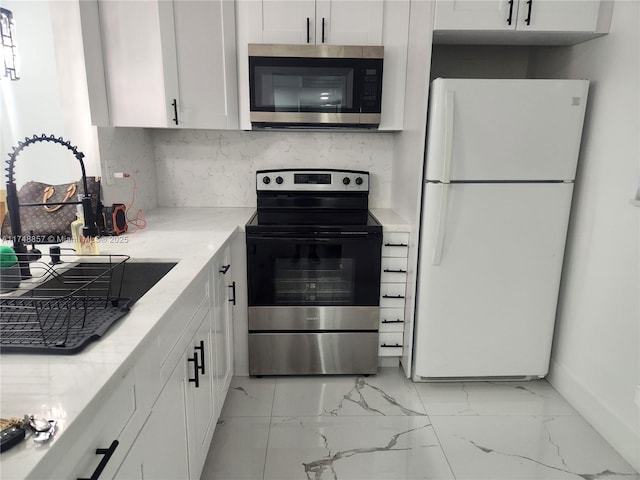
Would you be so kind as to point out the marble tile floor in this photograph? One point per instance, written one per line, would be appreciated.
(387, 427)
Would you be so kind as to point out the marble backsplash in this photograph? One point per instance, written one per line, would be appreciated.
(207, 168)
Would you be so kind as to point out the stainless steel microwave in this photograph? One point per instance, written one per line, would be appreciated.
(315, 86)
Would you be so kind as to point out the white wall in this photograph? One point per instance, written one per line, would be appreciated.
(31, 105)
(596, 357)
(479, 61)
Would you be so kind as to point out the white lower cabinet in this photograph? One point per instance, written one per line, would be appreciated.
(101, 445)
(224, 298)
(158, 421)
(393, 283)
(160, 450)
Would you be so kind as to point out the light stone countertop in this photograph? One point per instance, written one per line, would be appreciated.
(61, 387)
(391, 221)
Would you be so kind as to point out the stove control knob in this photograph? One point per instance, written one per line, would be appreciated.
(266, 180)
(346, 180)
(359, 181)
(279, 180)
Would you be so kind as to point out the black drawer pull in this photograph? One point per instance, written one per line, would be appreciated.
(225, 269)
(528, 19)
(233, 293)
(393, 321)
(510, 12)
(397, 345)
(107, 452)
(201, 348)
(389, 270)
(396, 245)
(393, 296)
(175, 111)
(308, 25)
(322, 29)
(196, 379)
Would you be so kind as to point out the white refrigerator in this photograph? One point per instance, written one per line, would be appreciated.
(500, 165)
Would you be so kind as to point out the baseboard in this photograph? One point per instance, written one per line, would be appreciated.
(388, 361)
(614, 430)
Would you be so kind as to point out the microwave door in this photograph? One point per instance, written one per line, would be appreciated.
(298, 91)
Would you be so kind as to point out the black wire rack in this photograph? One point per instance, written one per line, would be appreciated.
(63, 308)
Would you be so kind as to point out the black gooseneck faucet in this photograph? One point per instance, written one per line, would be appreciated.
(90, 228)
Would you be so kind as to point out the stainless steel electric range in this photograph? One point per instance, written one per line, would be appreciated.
(313, 270)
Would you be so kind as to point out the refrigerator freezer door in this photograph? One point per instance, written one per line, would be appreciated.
(509, 130)
(490, 265)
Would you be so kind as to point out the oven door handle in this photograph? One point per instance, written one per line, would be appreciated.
(315, 238)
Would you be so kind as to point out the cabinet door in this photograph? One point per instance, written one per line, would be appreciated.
(558, 15)
(140, 62)
(349, 22)
(240, 309)
(476, 15)
(208, 83)
(223, 328)
(286, 21)
(201, 401)
(160, 451)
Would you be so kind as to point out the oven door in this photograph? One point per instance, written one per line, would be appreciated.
(340, 270)
(285, 90)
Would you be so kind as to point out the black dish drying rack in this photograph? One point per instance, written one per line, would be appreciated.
(63, 308)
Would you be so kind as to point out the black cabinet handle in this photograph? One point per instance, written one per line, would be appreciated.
(389, 270)
(175, 111)
(528, 19)
(392, 296)
(396, 245)
(196, 378)
(384, 345)
(107, 452)
(393, 321)
(200, 347)
(308, 26)
(225, 269)
(322, 29)
(510, 12)
(233, 293)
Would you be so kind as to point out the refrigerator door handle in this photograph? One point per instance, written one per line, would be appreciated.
(448, 136)
(442, 223)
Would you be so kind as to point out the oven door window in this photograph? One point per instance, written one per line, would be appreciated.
(303, 272)
(308, 85)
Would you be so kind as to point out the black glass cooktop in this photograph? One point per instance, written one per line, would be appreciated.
(315, 220)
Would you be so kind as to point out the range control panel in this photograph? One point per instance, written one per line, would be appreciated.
(312, 180)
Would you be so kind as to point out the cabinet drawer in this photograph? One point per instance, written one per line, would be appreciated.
(391, 320)
(394, 270)
(395, 244)
(390, 344)
(106, 422)
(392, 295)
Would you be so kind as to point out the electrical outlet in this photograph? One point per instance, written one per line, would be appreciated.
(108, 176)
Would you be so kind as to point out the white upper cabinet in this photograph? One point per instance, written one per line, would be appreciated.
(169, 63)
(138, 47)
(558, 15)
(520, 21)
(348, 22)
(332, 22)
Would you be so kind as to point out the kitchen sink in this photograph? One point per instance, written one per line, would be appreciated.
(129, 280)
(74, 305)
